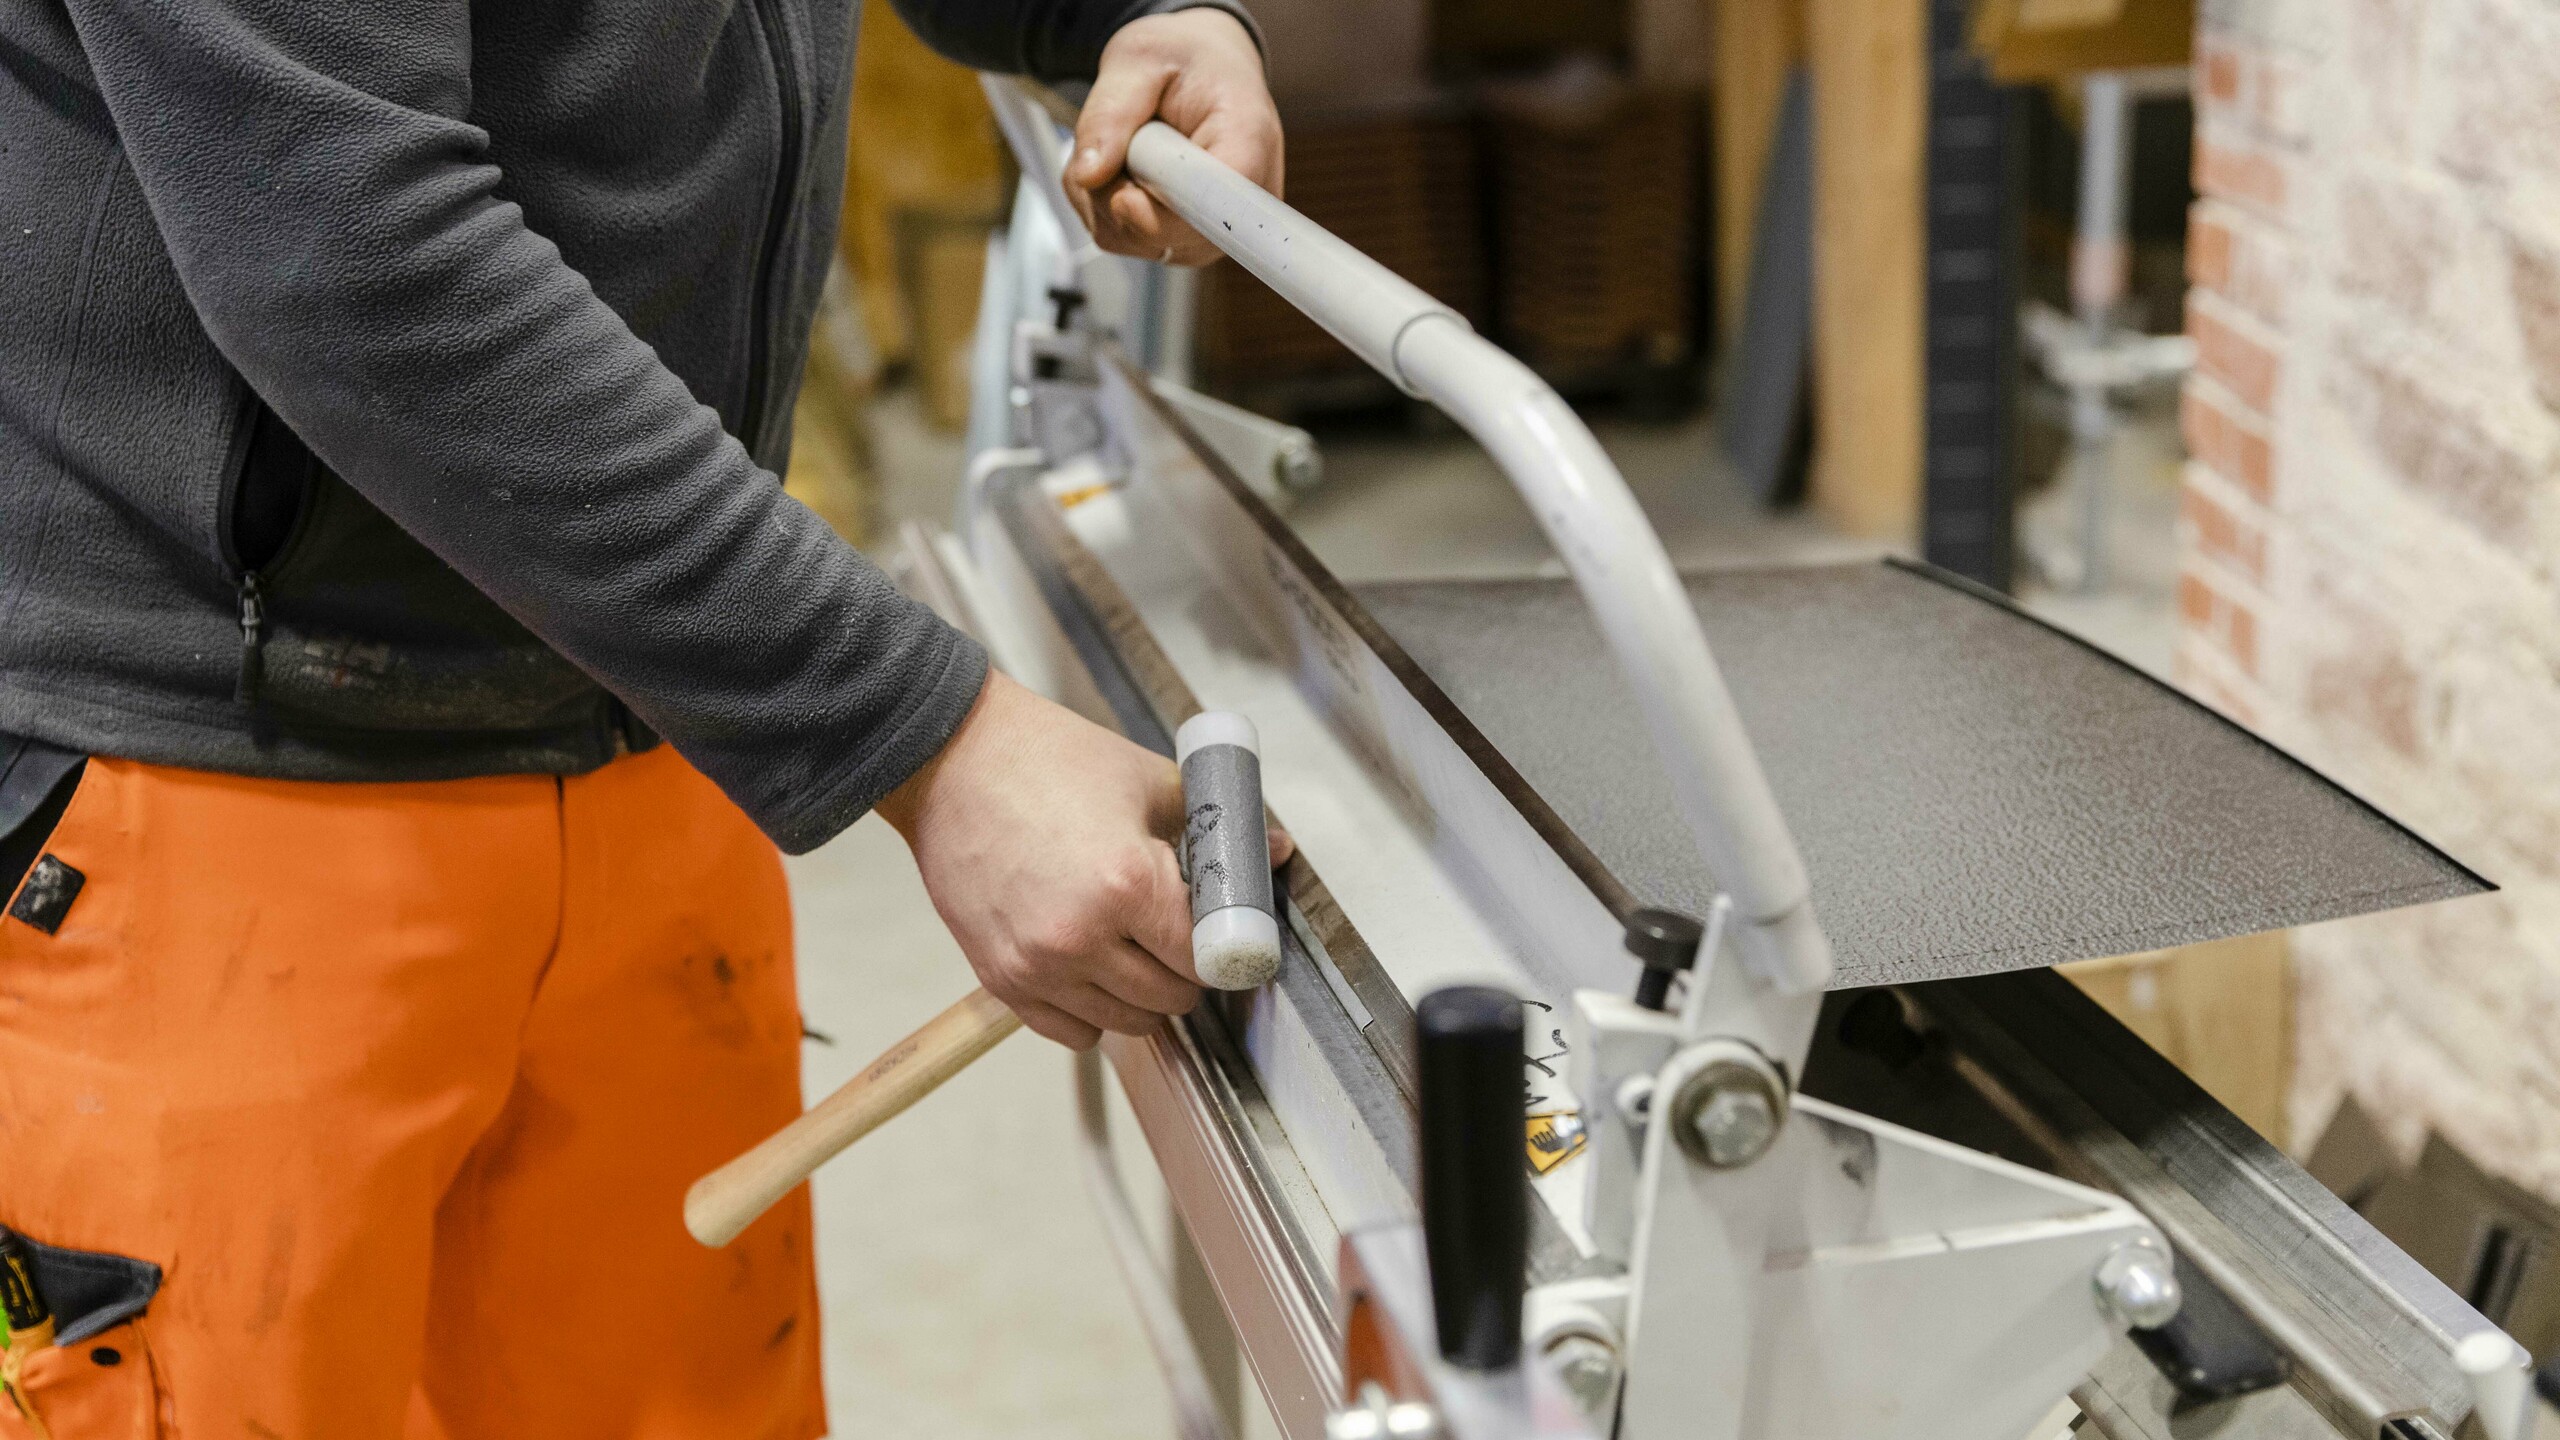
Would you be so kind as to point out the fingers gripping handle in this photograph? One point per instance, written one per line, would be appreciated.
(1235, 938)
(1226, 850)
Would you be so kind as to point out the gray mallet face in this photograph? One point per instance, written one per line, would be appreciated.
(1235, 932)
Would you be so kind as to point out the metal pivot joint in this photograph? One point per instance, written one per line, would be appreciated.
(1726, 1111)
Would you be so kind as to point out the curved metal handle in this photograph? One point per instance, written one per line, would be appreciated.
(1580, 500)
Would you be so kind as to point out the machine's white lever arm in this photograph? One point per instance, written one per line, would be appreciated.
(1039, 148)
(1578, 497)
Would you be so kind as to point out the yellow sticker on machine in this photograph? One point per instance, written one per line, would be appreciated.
(1555, 1137)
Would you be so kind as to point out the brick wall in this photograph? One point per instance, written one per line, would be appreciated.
(2370, 526)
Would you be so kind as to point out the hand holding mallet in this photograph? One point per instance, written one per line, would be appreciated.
(1235, 945)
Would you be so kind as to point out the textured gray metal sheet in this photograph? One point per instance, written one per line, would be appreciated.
(1973, 791)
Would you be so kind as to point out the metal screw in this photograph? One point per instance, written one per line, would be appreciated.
(1588, 1366)
(1635, 1100)
(1297, 466)
(2138, 1284)
(1736, 1126)
(1727, 1113)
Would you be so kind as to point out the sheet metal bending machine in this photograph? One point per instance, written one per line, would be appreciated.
(1545, 788)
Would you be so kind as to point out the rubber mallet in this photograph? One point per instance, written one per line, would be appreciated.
(1235, 945)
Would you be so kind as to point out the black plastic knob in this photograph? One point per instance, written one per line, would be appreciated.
(1475, 1179)
(1665, 942)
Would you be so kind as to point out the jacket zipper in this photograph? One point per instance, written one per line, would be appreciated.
(253, 602)
(253, 640)
(777, 220)
(250, 581)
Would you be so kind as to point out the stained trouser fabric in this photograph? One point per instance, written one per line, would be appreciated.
(401, 1085)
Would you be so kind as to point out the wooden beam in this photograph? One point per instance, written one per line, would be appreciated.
(2221, 1011)
(1870, 117)
(2037, 40)
(1756, 43)
(920, 139)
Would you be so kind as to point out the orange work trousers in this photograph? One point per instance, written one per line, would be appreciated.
(402, 1086)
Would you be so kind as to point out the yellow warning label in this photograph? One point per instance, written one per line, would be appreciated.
(1554, 1138)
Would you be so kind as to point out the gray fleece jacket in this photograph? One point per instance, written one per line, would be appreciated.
(395, 389)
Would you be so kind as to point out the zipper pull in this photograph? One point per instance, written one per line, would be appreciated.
(253, 640)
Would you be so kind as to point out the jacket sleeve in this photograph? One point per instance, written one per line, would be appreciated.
(338, 226)
(1048, 39)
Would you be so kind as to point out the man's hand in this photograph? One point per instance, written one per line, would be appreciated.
(1045, 843)
(1198, 71)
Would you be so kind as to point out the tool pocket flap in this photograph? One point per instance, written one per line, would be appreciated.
(90, 1291)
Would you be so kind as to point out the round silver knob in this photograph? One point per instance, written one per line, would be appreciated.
(2138, 1284)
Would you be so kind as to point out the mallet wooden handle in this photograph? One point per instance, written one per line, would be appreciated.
(729, 1199)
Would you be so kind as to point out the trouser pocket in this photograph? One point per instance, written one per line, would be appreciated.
(101, 1388)
(96, 1379)
(36, 781)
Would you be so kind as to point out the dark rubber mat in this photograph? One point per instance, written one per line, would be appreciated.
(1972, 790)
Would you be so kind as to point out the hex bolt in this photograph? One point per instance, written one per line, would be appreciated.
(1736, 1126)
(2138, 1284)
(1588, 1366)
(1297, 467)
(1727, 1113)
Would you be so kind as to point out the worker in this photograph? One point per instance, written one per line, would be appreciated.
(410, 665)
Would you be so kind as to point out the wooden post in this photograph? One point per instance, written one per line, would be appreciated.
(1870, 109)
(2221, 1011)
(920, 139)
(1756, 43)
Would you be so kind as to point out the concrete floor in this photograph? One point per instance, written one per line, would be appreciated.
(969, 1293)
(968, 1290)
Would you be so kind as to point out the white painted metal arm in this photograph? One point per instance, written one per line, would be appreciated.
(1038, 148)
(1579, 499)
